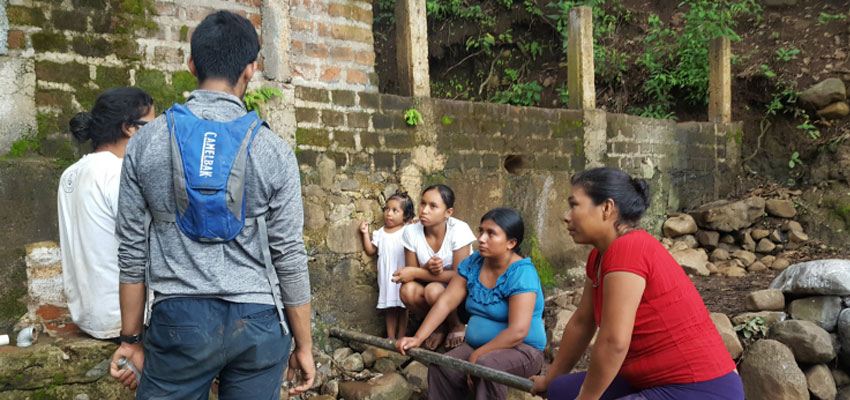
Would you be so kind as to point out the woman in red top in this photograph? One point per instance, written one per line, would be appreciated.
(655, 339)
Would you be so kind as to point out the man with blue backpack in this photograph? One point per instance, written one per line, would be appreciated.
(210, 227)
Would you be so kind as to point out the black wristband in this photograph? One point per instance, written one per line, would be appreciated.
(130, 339)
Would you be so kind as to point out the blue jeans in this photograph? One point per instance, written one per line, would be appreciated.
(726, 387)
(190, 341)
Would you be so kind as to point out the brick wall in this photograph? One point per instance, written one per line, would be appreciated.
(332, 45)
(77, 49)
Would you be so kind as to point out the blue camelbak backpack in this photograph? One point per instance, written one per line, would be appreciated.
(209, 161)
(208, 166)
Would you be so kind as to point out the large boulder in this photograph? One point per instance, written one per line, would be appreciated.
(728, 334)
(823, 277)
(809, 342)
(820, 382)
(765, 300)
(729, 216)
(391, 386)
(823, 94)
(822, 310)
(679, 225)
(769, 372)
(693, 261)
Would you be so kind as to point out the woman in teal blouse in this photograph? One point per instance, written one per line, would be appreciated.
(505, 303)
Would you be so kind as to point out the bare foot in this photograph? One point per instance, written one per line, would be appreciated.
(456, 336)
(435, 339)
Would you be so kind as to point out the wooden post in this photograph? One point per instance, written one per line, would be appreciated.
(412, 48)
(719, 80)
(430, 357)
(580, 74)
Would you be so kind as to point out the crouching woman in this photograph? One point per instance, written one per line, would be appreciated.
(655, 340)
(505, 302)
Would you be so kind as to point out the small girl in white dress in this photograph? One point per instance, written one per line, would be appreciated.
(387, 243)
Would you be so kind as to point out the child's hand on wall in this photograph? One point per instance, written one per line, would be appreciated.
(364, 228)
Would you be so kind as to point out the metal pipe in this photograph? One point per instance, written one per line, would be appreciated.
(431, 357)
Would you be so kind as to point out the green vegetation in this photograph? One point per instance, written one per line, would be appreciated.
(256, 99)
(825, 18)
(676, 61)
(541, 264)
(753, 328)
(412, 117)
(795, 160)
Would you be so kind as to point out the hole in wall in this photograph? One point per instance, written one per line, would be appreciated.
(514, 163)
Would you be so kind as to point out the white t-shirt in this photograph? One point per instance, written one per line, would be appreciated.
(390, 259)
(457, 236)
(88, 205)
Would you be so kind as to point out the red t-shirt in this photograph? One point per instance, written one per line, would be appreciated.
(674, 340)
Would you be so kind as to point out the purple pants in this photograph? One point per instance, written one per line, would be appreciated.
(726, 387)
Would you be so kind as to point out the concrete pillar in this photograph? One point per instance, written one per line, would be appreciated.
(595, 123)
(719, 80)
(276, 41)
(580, 73)
(412, 48)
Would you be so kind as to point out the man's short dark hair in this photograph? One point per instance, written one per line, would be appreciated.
(223, 44)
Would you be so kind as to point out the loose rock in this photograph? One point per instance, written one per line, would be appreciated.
(708, 239)
(822, 310)
(834, 111)
(822, 94)
(679, 225)
(820, 382)
(692, 261)
(769, 372)
(728, 334)
(745, 256)
(759, 234)
(792, 226)
(719, 255)
(843, 329)
(765, 300)
(417, 374)
(391, 386)
(765, 246)
(352, 363)
(809, 342)
(780, 264)
(769, 317)
(780, 208)
(776, 236)
(756, 267)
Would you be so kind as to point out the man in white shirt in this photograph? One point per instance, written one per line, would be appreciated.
(88, 204)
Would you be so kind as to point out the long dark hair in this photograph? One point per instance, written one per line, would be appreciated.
(113, 110)
(406, 205)
(446, 194)
(630, 195)
(510, 221)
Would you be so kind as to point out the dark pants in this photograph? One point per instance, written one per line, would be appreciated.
(726, 387)
(447, 383)
(191, 341)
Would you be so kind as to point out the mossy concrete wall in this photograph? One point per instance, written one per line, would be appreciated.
(355, 149)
